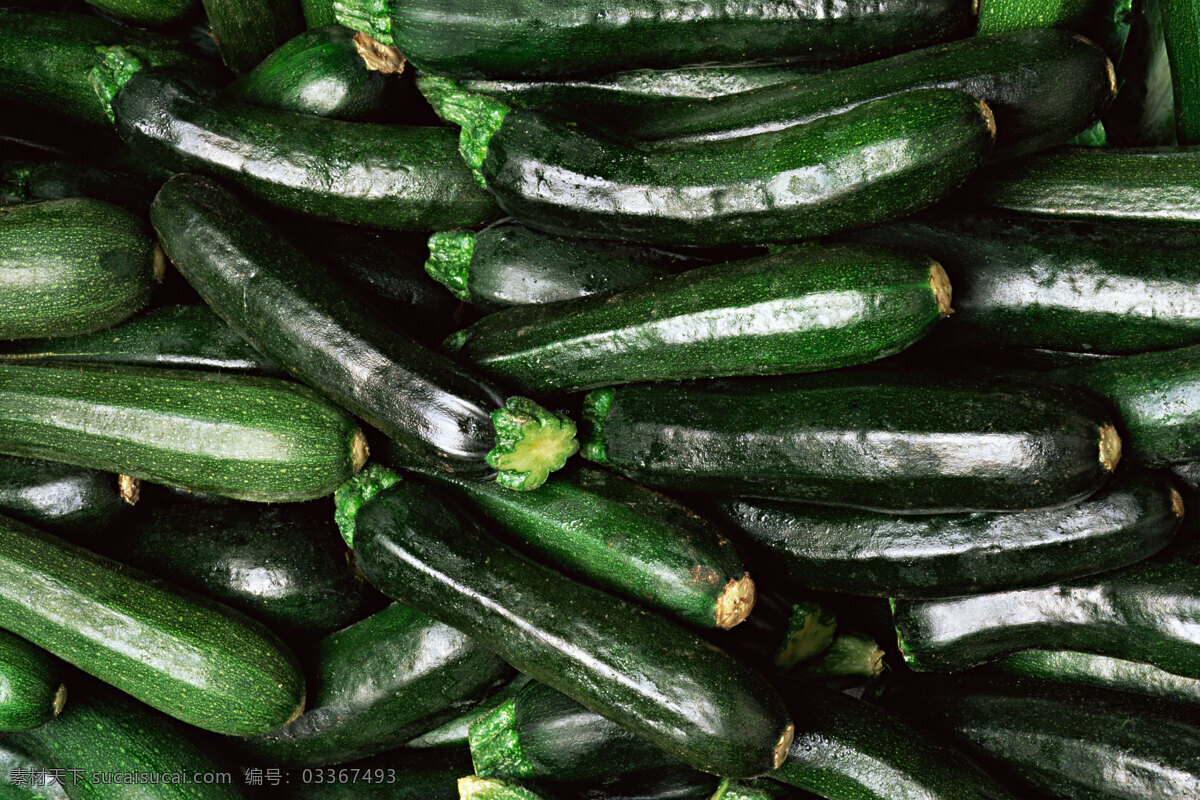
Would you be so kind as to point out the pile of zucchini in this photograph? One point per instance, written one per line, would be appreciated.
(579, 399)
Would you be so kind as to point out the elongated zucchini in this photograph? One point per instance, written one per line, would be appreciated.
(389, 176)
(246, 31)
(31, 688)
(557, 37)
(1181, 30)
(379, 683)
(697, 703)
(1141, 613)
(1086, 669)
(63, 499)
(192, 658)
(867, 439)
(146, 14)
(439, 414)
(237, 436)
(1144, 112)
(1050, 740)
(802, 309)
(869, 553)
(669, 783)
(71, 266)
(768, 188)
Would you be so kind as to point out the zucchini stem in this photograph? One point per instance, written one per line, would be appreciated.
(118, 66)
(372, 17)
(736, 602)
(939, 281)
(379, 57)
(531, 442)
(60, 699)
(496, 747)
(810, 632)
(1110, 447)
(129, 488)
(479, 116)
(449, 260)
(848, 656)
(354, 494)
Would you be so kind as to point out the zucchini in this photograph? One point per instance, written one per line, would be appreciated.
(188, 657)
(23, 777)
(1014, 15)
(31, 688)
(1181, 31)
(697, 703)
(146, 14)
(178, 336)
(454, 734)
(389, 176)
(14, 180)
(869, 553)
(1142, 613)
(63, 499)
(59, 180)
(801, 309)
(238, 436)
(559, 37)
(1043, 86)
(246, 31)
(71, 266)
(1085, 669)
(768, 188)
(1049, 740)
(850, 660)
(891, 441)
(320, 72)
(377, 684)
(400, 774)
(1143, 113)
(780, 633)
(291, 310)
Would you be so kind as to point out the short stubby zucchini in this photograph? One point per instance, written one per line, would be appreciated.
(64, 499)
(802, 309)
(879, 160)
(890, 441)
(32, 691)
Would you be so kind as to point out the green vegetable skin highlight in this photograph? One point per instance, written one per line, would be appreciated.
(63, 499)
(1086, 669)
(1181, 29)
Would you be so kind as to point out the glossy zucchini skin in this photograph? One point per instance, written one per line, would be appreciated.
(775, 187)
(247, 31)
(546, 38)
(63, 499)
(238, 436)
(1105, 672)
(1083, 286)
(319, 72)
(388, 176)
(869, 553)
(835, 440)
(146, 14)
(189, 657)
(31, 687)
(71, 266)
(176, 336)
(1049, 740)
(1044, 86)
(693, 701)
(379, 683)
(802, 309)
(1140, 613)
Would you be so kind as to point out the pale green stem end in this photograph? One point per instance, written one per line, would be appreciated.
(531, 442)
(810, 632)
(354, 494)
(473, 787)
(478, 115)
(449, 261)
(372, 17)
(848, 656)
(118, 66)
(495, 746)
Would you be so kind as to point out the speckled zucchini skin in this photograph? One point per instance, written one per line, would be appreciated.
(557, 37)
(379, 683)
(900, 442)
(389, 176)
(1050, 740)
(803, 309)
(1141, 613)
(147, 14)
(31, 687)
(868, 553)
(236, 436)
(189, 657)
(1086, 669)
(247, 31)
(693, 701)
(63, 499)
(71, 266)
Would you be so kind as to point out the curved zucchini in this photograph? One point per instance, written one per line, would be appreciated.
(31, 689)
(896, 155)
(379, 683)
(802, 309)
(697, 703)
(194, 659)
(440, 415)
(869, 553)
(1105, 672)
(237, 436)
(71, 266)
(1142, 613)
(63, 499)
(560, 37)
(896, 442)
(389, 176)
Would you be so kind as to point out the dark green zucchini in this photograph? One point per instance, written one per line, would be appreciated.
(322, 71)
(64, 63)
(247, 31)
(688, 698)
(389, 176)
(58, 180)
(145, 13)
(294, 312)
(1181, 31)
(801, 309)
(1086, 669)
(780, 632)
(63, 499)
(1043, 86)
(71, 266)
(1143, 613)
(558, 37)
(31, 688)
(869, 553)
(1050, 740)
(850, 660)
(891, 441)
(455, 733)
(237, 436)
(896, 155)
(189, 657)
(400, 774)
(23, 777)
(377, 684)
(1080, 286)
(1015, 15)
